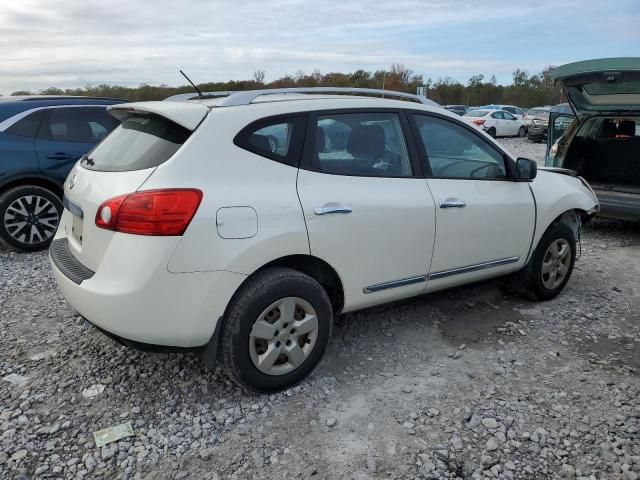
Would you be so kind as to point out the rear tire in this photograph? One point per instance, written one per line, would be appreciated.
(270, 340)
(551, 265)
(29, 217)
(492, 132)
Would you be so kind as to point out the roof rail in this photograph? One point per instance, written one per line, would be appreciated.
(181, 97)
(248, 96)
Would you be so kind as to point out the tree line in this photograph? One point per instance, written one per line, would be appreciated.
(527, 90)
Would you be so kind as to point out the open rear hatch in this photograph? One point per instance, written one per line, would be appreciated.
(607, 86)
(150, 134)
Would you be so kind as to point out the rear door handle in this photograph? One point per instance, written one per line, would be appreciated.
(333, 207)
(452, 203)
(59, 156)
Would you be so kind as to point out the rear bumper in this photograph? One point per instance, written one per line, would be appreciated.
(134, 297)
(620, 205)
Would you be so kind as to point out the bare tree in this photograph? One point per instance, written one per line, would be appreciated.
(258, 76)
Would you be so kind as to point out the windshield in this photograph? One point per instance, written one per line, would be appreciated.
(142, 141)
(476, 113)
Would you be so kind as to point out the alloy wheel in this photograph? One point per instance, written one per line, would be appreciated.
(283, 336)
(556, 263)
(31, 219)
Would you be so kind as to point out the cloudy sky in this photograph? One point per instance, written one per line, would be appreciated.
(71, 43)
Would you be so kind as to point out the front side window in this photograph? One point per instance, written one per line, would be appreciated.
(77, 124)
(361, 144)
(453, 151)
(27, 126)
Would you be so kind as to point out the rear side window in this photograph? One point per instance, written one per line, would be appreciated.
(27, 126)
(77, 124)
(278, 139)
(361, 144)
(141, 141)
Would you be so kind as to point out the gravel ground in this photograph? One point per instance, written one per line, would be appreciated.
(470, 383)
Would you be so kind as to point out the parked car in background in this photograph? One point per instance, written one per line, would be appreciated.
(497, 123)
(41, 138)
(537, 122)
(532, 113)
(512, 109)
(601, 144)
(457, 109)
(185, 228)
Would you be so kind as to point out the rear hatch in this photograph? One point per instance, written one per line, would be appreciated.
(607, 86)
(150, 134)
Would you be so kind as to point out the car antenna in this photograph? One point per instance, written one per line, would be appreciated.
(194, 85)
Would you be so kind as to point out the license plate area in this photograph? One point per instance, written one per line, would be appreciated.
(77, 219)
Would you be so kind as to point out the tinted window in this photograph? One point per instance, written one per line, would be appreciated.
(274, 139)
(497, 115)
(476, 113)
(28, 126)
(363, 144)
(508, 116)
(141, 141)
(74, 124)
(279, 139)
(455, 152)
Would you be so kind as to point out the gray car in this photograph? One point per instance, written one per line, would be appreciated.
(600, 140)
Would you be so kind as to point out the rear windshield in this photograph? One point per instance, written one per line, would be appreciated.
(141, 141)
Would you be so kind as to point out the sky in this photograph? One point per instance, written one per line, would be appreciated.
(73, 43)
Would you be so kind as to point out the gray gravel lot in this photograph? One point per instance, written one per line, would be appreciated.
(469, 383)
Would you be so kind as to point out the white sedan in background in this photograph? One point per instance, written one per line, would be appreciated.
(497, 123)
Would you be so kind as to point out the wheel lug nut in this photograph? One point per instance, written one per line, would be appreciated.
(278, 344)
(288, 343)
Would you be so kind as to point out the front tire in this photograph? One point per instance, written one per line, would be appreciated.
(550, 268)
(275, 330)
(29, 217)
(522, 132)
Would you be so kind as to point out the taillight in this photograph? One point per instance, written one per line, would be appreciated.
(151, 212)
(479, 122)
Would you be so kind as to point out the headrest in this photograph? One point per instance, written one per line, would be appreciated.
(366, 141)
(627, 128)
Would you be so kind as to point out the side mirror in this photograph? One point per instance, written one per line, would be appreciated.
(526, 170)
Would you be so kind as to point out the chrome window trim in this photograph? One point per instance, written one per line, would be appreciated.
(472, 268)
(395, 283)
(8, 122)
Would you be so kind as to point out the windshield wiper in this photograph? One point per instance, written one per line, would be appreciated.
(87, 160)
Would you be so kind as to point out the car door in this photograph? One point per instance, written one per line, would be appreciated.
(511, 124)
(501, 129)
(484, 220)
(67, 133)
(367, 207)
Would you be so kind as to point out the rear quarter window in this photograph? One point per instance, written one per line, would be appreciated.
(275, 138)
(27, 126)
(141, 141)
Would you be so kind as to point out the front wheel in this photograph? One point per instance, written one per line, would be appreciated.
(551, 266)
(29, 217)
(522, 132)
(276, 330)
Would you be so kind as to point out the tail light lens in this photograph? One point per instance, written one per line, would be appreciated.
(479, 122)
(151, 212)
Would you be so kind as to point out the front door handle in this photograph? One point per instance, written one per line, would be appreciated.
(333, 207)
(453, 203)
(59, 156)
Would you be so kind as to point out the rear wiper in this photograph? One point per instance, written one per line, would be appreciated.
(87, 160)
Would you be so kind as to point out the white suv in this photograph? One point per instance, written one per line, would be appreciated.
(241, 225)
